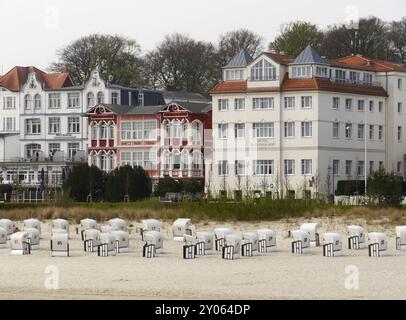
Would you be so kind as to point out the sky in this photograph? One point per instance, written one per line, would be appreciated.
(32, 31)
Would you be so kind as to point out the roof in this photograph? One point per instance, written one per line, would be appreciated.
(283, 59)
(119, 87)
(132, 110)
(308, 56)
(306, 84)
(17, 77)
(180, 96)
(241, 59)
(194, 107)
(370, 64)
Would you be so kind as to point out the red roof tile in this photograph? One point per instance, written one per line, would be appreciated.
(230, 87)
(16, 78)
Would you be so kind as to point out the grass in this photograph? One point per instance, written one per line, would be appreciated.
(222, 211)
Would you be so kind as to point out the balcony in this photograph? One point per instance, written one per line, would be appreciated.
(356, 82)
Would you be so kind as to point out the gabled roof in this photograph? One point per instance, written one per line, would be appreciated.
(242, 59)
(370, 64)
(194, 107)
(283, 59)
(179, 96)
(308, 56)
(17, 77)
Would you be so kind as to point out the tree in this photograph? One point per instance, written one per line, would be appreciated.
(180, 63)
(232, 42)
(192, 185)
(116, 56)
(127, 181)
(83, 180)
(296, 36)
(397, 40)
(385, 188)
(369, 40)
(167, 185)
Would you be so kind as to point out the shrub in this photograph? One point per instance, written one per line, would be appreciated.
(167, 185)
(385, 188)
(350, 187)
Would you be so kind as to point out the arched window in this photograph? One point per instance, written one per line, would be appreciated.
(166, 162)
(114, 98)
(197, 131)
(37, 101)
(100, 97)
(263, 70)
(176, 129)
(176, 160)
(103, 131)
(28, 101)
(103, 162)
(185, 130)
(93, 160)
(32, 150)
(185, 161)
(90, 100)
(197, 160)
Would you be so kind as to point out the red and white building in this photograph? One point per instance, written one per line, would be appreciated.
(166, 140)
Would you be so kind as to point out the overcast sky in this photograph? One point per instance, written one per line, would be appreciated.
(33, 30)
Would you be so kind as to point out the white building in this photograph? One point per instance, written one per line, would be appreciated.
(295, 125)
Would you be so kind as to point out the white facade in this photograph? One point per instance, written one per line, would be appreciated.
(276, 136)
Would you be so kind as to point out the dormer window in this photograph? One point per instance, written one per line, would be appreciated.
(302, 71)
(263, 71)
(367, 79)
(233, 75)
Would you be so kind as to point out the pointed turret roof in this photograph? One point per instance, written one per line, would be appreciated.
(242, 59)
(309, 56)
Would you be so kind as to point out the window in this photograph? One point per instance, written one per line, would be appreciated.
(223, 168)
(197, 161)
(361, 129)
(400, 84)
(54, 125)
(262, 103)
(263, 70)
(336, 166)
(361, 104)
(126, 158)
(32, 150)
(239, 130)
(306, 102)
(340, 75)
(73, 148)
(399, 166)
(176, 161)
(103, 131)
(289, 167)
(348, 104)
(141, 100)
(336, 130)
(367, 79)
(380, 133)
(74, 125)
(301, 72)
(321, 72)
(381, 165)
(289, 129)
(114, 98)
(371, 167)
(307, 129)
(54, 147)
(9, 124)
(100, 97)
(289, 102)
(239, 167)
(90, 100)
(360, 168)
(263, 167)
(239, 104)
(137, 130)
(28, 103)
(306, 166)
(33, 126)
(126, 130)
(354, 77)
(263, 130)
(399, 133)
(371, 106)
(348, 130)
(232, 75)
(223, 104)
(223, 130)
(399, 107)
(37, 102)
(336, 103)
(185, 129)
(73, 100)
(54, 101)
(9, 103)
(176, 130)
(93, 132)
(348, 167)
(185, 161)
(150, 130)
(197, 129)
(380, 106)
(371, 132)
(150, 160)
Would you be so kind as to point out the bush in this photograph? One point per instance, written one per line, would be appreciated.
(83, 180)
(5, 188)
(167, 185)
(385, 188)
(350, 187)
(192, 185)
(127, 181)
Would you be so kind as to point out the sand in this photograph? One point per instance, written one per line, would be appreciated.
(279, 275)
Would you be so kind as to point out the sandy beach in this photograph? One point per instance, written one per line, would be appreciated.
(279, 275)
